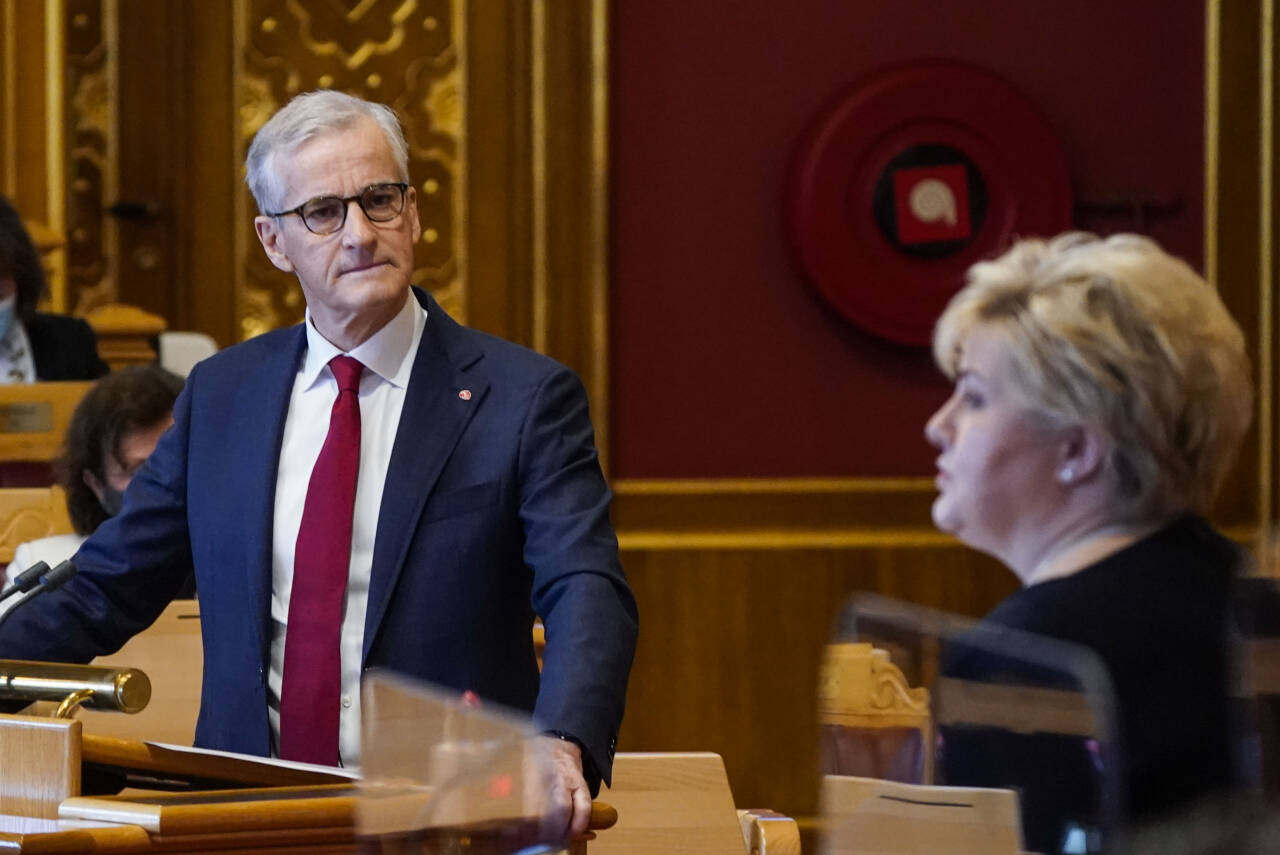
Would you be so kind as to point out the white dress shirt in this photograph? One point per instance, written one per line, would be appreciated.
(388, 359)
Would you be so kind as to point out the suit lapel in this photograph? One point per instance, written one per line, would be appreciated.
(260, 463)
(431, 423)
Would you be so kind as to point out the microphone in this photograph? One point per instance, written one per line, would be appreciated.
(51, 580)
(26, 580)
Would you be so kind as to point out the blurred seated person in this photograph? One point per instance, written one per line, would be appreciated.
(1101, 394)
(112, 432)
(36, 346)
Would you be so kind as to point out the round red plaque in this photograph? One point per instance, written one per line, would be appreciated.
(910, 177)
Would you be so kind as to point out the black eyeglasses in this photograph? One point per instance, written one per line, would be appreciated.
(325, 215)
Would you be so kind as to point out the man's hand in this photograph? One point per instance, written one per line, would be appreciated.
(569, 801)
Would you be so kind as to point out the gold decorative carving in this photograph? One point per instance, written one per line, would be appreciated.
(92, 241)
(859, 686)
(403, 53)
(444, 104)
(257, 104)
(90, 104)
(356, 56)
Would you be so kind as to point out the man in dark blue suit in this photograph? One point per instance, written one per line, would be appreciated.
(377, 487)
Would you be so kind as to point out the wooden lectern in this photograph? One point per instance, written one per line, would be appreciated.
(225, 803)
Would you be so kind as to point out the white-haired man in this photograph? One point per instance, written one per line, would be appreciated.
(377, 487)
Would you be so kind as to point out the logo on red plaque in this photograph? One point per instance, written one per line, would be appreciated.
(931, 204)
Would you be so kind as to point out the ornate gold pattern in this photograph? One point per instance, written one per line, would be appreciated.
(859, 685)
(404, 53)
(92, 242)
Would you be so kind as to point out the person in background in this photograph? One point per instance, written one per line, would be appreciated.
(1101, 394)
(112, 432)
(35, 346)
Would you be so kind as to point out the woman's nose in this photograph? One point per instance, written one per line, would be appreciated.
(937, 431)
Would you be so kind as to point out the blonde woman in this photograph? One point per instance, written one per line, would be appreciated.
(1101, 393)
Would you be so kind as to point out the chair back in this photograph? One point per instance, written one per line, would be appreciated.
(33, 422)
(125, 334)
(870, 815)
(872, 723)
(181, 350)
(30, 513)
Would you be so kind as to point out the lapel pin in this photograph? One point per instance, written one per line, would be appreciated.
(465, 394)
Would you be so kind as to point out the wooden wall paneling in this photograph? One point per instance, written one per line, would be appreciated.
(731, 641)
(570, 163)
(498, 246)
(1235, 242)
(739, 584)
(153, 154)
(1237, 43)
(206, 269)
(31, 130)
(536, 244)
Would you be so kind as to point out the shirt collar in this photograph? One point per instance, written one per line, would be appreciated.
(388, 353)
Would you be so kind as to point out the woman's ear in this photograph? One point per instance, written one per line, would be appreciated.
(1080, 454)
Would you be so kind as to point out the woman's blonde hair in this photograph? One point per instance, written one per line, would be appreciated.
(1119, 335)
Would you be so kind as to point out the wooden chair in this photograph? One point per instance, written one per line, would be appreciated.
(872, 815)
(33, 421)
(872, 723)
(681, 802)
(29, 513)
(125, 334)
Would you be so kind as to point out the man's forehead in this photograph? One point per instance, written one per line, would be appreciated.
(329, 162)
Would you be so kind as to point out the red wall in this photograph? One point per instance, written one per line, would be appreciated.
(725, 362)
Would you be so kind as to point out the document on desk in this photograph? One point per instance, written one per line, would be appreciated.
(264, 762)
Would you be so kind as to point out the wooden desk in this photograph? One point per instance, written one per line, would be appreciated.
(291, 811)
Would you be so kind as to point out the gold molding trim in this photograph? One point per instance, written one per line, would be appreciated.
(768, 539)
(538, 214)
(9, 59)
(655, 515)
(756, 486)
(1266, 278)
(775, 513)
(598, 225)
(1212, 113)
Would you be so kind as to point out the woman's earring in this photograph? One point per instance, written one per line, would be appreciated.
(1067, 474)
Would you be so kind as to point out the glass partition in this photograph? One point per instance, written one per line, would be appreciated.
(943, 735)
(441, 774)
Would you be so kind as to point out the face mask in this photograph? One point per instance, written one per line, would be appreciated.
(112, 500)
(6, 313)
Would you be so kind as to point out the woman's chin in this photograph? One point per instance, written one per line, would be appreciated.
(943, 519)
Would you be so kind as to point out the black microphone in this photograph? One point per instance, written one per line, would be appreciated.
(50, 581)
(26, 580)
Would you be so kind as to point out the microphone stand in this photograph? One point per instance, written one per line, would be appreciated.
(49, 580)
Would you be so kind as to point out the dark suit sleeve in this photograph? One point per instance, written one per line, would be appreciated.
(579, 588)
(130, 568)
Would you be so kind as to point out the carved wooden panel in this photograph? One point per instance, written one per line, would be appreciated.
(92, 167)
(404, 53)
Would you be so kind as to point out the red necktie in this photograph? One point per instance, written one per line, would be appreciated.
(309, 696)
